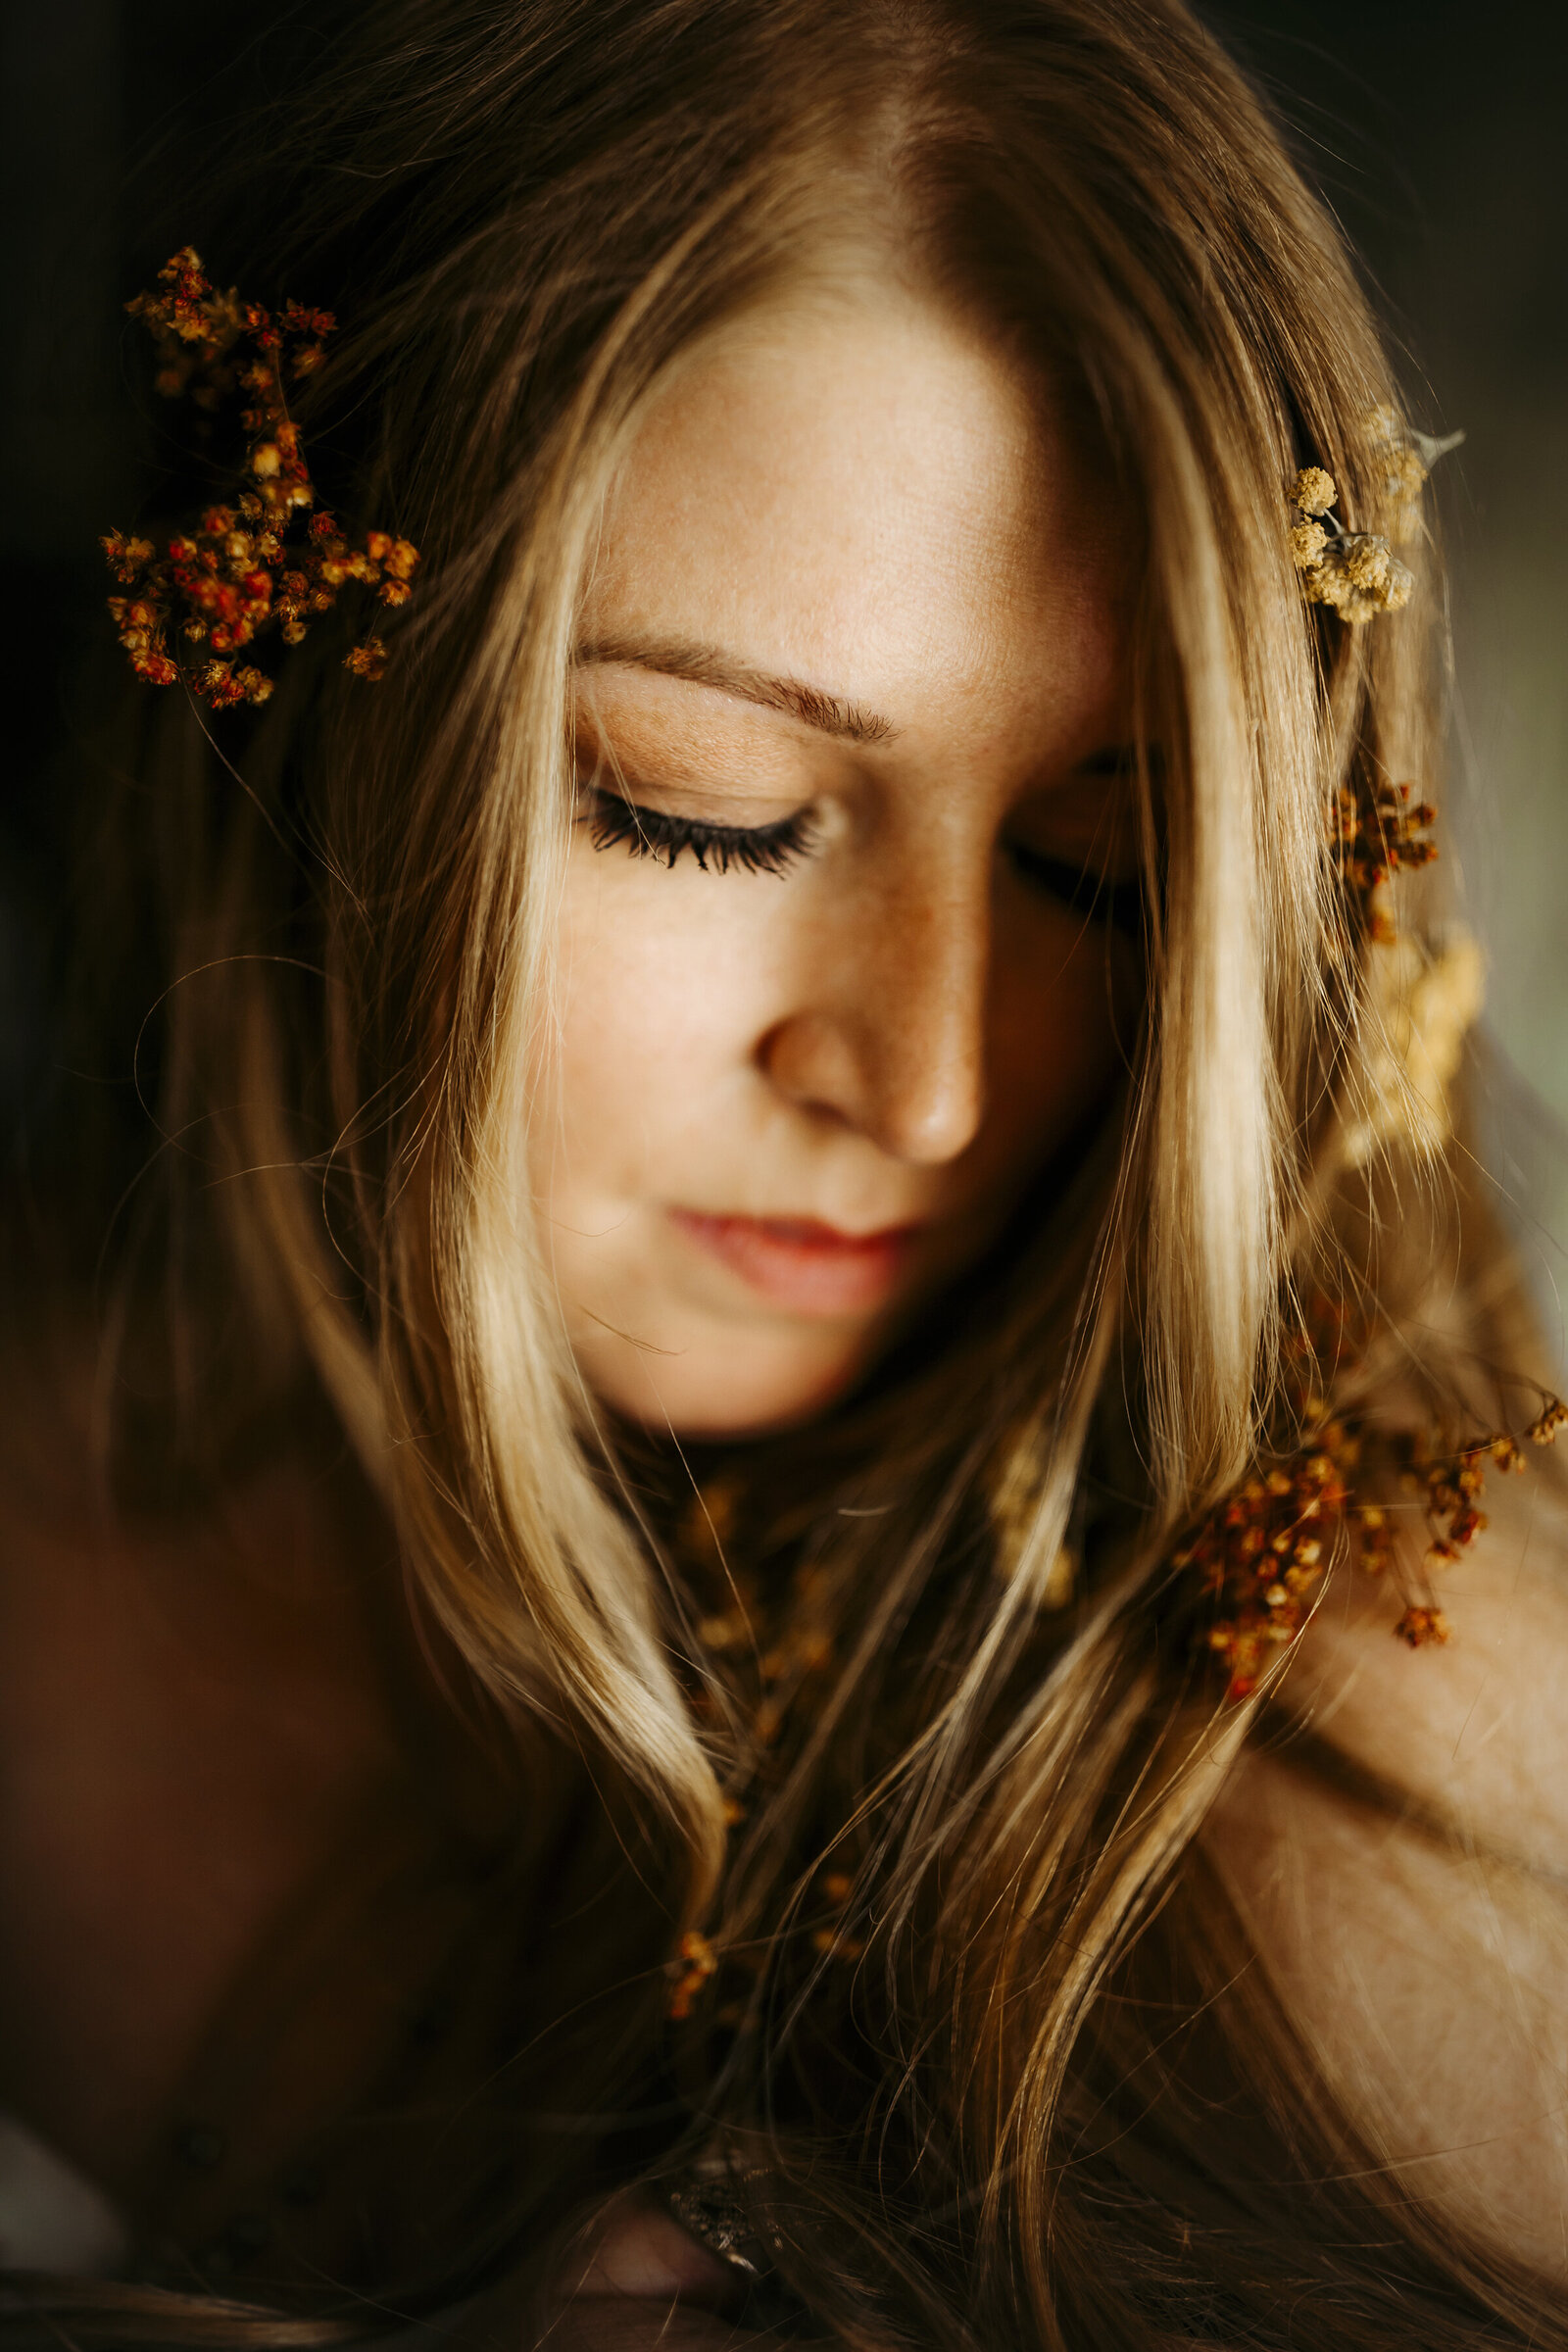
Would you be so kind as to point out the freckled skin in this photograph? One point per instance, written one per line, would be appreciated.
(902, 1026)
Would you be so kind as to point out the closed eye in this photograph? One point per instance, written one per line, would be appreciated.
(614, 821)
(1088, 869)
(1089, 893)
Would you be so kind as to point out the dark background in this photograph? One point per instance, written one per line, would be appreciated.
(1436, 132)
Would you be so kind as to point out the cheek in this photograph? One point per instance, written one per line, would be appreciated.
(659, 985)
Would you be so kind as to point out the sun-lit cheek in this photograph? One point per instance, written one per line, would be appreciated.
(659, 990)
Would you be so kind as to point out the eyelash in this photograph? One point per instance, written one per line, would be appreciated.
(615, 822)
(1086, 892)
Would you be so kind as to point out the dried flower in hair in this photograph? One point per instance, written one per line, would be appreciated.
(1423, 1007)
(1377, 830)
(1407, 456)
(1257, 1556)
(1307, 542)
(1262, 1552)
(366, 660)
(1405, 476)
(694, 1962)
(1422, 1628)
(247, 565)
(1554, 1415)
(1313, 491)
(1357, 573)
(1374, 829)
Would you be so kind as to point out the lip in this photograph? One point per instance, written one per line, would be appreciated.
(802, 1264)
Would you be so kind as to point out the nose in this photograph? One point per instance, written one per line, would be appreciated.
(888, 1035)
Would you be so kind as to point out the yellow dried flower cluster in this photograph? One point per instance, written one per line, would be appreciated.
(1407, 456)
(1355, 573)
(1424, 1004)
(1313, 490)
(1307, 542)
(1406, 477)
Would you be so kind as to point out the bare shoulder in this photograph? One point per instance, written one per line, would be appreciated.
(1422, 1942)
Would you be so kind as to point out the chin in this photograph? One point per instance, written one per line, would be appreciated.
(723, 1390)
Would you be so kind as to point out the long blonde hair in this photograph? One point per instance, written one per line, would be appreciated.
(526, 219)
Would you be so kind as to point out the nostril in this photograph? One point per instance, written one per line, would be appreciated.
(812, 1061)
(915, 1096)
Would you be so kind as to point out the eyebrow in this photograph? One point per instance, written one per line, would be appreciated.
(710, 665)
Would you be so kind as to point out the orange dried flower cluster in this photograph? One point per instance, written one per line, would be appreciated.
(1376, 832)
(1542, 1430)
(264, 558)
(1260, 1552)
(694, 1963)
(772, 1649)
(778, 1655)
(834, 1890)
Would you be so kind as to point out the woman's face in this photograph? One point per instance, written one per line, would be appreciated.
(851, 723)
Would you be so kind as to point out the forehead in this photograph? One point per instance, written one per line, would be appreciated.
(865, 493)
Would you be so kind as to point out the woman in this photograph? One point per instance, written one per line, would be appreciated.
(767, 1161)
